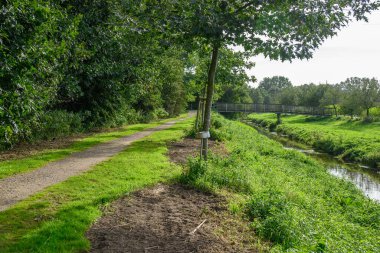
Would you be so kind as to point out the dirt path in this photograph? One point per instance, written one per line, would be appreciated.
(18, 187)
(172, 218)
(163, 219)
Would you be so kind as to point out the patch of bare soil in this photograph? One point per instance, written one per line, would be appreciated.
(22, 150)
(180, 151)
(169, 219)
(25, 149)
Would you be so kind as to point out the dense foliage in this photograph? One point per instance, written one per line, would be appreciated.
(85, 64)
(70, 66)
(289, 198)
(231, 83)
(67, 66)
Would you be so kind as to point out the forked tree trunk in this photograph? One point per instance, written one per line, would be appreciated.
(209, 94)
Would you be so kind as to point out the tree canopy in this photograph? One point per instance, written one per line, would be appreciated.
(281, 30)
(90, 64)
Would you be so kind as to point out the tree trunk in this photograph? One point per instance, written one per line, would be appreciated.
(367, 112)
(209, 94)
(336, 112)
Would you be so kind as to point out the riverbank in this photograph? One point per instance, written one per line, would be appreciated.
(350, 140)
(289, 199)
(366, 179)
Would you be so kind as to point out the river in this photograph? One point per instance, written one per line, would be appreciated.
(365, 178)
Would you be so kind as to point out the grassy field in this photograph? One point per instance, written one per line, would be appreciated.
(289, 198)
(11, 167)
(56, 219)
(352, 140)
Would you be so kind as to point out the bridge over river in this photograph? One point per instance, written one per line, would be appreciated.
(272, 108)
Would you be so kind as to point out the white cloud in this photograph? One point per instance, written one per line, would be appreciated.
(355, 51)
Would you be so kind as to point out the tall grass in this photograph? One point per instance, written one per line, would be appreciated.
(289, 198)
(351, 140)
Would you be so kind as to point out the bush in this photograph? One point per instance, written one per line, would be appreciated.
(7, 137)
(272, 218)
(161, 113)
(197, 168)
(58, 123)
(216, 131)
(51, 124)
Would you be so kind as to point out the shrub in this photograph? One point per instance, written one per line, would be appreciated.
(272, 217)
(58, 123)
(197, 168)
(6, 137)
(51, 124)
(161, 113)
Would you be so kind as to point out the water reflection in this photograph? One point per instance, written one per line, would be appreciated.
(365, 178)
(365, 182)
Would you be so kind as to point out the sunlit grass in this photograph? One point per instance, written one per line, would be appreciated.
(289, 198)
(353, 140)
(11, 167)
(56, 219)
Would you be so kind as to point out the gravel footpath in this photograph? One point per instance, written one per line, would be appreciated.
(16, 188)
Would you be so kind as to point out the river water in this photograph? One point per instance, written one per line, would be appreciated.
(365, 178)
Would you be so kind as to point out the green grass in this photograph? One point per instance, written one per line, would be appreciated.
(11, 167)
(352, 140)
(289, 198)
(56, 219)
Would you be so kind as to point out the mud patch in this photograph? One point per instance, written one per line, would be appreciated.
(180, 151)
(163, 219)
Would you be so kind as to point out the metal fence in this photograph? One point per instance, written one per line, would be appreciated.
(274, 108)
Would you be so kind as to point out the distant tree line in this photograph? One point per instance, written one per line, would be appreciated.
(353, 96)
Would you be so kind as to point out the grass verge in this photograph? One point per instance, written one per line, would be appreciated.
(11, 167)
(289, 198)
(351, 140)
(56, 219)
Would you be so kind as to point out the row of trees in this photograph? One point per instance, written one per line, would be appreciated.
(106, 62)
(69, 66)
(75, 57)
(351, 97)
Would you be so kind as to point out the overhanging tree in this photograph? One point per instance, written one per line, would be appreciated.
(279, 29)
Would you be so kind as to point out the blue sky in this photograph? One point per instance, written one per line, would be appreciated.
(355, 51)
